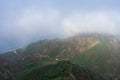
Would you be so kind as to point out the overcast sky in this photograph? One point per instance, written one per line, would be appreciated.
(23, 21)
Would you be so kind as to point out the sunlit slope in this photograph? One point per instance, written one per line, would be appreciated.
(103, 58)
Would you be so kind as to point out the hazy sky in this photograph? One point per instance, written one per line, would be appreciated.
(23, 21)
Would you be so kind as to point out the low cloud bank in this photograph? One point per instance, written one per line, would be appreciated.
(34, 24)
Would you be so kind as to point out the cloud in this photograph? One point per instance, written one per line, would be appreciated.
(25, 21)
(101, 22)
(37, 22)
(34, 23)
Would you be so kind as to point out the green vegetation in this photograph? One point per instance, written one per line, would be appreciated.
(101, 58)
(62, 70)
(46, 59)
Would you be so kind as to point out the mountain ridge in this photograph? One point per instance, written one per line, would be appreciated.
(93, 51)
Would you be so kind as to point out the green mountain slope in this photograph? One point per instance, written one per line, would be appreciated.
(46, 51)
(6, 70)
(99, 53)
(103, 58)
(62, 70)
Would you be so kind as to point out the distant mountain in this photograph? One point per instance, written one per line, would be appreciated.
(98, 52)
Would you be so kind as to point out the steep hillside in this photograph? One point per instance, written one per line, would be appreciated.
(62, 70)
(97, 52)
(50, 50)
(103, 58)
(63, 48)
(6, 70)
